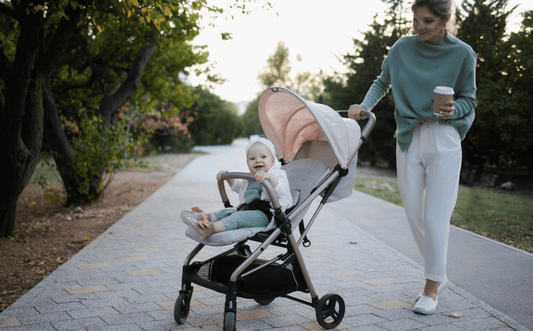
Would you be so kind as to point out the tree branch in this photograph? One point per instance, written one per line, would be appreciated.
(112, 101)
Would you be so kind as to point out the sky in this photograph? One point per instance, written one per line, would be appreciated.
(320, 32)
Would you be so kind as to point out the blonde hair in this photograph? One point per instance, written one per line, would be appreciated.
(445, 9)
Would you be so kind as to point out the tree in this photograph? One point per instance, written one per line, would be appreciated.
(250, 119)
(216, 121)
(67, 67)
(364, 66)
(278, 73)
(519, 73)
(501, 134)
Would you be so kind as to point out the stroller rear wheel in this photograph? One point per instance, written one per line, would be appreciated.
(330, 311)
(182, 307)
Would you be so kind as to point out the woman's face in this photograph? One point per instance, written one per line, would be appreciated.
(428, 26)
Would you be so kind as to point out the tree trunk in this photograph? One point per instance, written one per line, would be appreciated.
(22, 118)
(57, 140)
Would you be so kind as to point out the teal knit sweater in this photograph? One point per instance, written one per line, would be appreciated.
(414, 68)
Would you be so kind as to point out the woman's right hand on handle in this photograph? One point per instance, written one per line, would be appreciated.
(354, 112)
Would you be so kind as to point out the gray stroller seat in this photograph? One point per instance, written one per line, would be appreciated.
(303, 175)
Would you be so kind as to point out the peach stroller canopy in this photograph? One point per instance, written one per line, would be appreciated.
(289, 121)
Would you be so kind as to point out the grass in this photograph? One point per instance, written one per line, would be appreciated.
(500, 215)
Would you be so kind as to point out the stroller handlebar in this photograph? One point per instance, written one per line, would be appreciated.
(247, 176)
(365, 114)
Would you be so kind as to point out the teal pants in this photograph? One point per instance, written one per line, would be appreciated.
(234, 219)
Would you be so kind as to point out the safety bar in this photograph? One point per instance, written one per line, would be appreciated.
(247, 176)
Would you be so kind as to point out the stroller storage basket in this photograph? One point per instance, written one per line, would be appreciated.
(270, 281)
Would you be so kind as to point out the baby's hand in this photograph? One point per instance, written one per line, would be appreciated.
(261, 176)
(220, 173)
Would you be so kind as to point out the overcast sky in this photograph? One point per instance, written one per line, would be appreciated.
(319, 31)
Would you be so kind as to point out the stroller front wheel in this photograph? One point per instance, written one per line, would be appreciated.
(330, 311)
(230, 321)
(181, 308)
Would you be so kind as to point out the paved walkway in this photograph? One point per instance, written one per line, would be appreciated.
(128, 278)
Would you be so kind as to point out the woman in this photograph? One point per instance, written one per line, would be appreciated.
(428, 151)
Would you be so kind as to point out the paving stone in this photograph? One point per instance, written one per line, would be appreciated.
(392, 304)
(380, 281)
(79, 324)
(402, 324)
(253, 314)
(43, 309)
(44, 318)
(94, 265)
(133, 258)
(87, 289)
(116, 319)
(12, 321)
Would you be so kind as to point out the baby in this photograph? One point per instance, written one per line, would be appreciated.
(254, 209)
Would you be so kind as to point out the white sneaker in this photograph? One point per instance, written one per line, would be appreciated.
(426, 305)
(442, 286)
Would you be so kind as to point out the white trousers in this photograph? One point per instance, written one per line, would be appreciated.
(428, 178)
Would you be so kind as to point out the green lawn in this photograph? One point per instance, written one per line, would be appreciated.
(500, 215)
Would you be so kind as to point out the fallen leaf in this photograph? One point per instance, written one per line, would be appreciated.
(456, 315)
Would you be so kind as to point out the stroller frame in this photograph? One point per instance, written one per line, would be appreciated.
(329, 309)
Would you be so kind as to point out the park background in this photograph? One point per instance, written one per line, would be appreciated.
(93, 88)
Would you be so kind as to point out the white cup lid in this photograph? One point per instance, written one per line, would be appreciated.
(443, 90)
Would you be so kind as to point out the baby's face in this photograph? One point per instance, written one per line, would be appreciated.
(259, 158)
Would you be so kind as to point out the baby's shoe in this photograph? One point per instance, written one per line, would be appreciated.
(202, 233)
(184, 214)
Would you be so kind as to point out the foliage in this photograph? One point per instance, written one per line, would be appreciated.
(384, 189)
(250, 119)
(97, 150)
(217, 121)
(501, 135)
(503, 120)
(364, 65)
(278, 73)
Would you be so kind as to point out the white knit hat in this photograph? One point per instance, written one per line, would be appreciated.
(268, 144)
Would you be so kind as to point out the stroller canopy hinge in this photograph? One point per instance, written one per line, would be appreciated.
(342, 171)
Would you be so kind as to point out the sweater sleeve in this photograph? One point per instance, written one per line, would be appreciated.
(379, 88)
(465, 101)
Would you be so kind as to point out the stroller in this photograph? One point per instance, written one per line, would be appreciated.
(318, 149)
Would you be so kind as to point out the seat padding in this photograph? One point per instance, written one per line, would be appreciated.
(303, 176)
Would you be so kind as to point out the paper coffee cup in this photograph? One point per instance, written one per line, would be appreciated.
(443, 94)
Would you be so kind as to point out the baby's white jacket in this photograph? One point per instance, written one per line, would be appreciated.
(282, 190)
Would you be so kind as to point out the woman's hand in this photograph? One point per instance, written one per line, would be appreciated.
(446, 111)
(354, 112)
